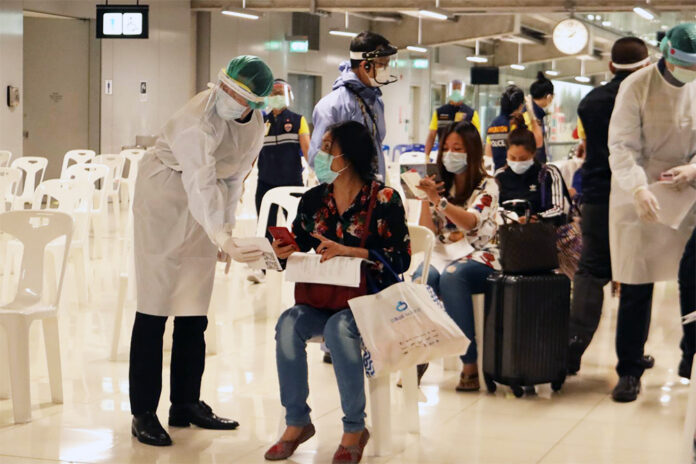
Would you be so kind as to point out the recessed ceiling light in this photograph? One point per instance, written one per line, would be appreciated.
(644, 13)
(553, 72)
(433, 14)
(583, 79)
(241, 13)
(518, 67)
(342, 33)
(414, 48)
(477, 59)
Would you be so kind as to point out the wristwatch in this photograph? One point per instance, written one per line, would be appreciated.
(442, 204)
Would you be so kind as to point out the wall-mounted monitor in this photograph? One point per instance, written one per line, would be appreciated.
(485, 75)
(122, 21)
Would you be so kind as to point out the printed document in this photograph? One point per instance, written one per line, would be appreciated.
(307, 268)
(268, 260)
(674, 204)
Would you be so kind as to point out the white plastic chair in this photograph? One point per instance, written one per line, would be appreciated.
(9, 182)
(65, 196)
(32, 167)
(133, 156)
(71, 196)
(96, 175)
(5, 158)
(282, 197)
(112, 184)
(422, 241)
(35, 229)
(76, 157)
(412, 157)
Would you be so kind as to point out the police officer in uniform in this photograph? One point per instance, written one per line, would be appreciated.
(280, 161)
(455, 110)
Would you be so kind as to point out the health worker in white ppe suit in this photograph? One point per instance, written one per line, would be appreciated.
(186, 196)
(652, 137)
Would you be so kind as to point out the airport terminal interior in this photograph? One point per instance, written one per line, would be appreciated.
(133, 187)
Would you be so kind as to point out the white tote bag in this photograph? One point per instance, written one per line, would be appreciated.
(405, 325)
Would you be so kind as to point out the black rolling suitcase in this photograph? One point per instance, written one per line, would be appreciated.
(525, 338)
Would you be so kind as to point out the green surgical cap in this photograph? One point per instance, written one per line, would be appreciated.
(679, 45)
(253, 72)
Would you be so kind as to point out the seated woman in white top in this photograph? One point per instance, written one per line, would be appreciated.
(461, 208)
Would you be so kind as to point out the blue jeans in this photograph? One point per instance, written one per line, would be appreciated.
(455, 285)
(297, 325)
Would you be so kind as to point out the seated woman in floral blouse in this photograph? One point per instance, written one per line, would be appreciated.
(460, 209)
(331, 220)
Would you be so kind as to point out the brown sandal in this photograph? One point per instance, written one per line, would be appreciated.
(468, 383)
(284, 449)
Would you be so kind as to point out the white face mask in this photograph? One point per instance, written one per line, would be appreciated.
(382, 77)
(520, 167)
(227, 107)
(684, 75)
(454, 162)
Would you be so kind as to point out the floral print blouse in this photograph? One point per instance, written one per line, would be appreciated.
(388, 233)
(484, 204)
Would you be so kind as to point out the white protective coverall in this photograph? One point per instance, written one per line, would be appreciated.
(186, 194)
(652, 129)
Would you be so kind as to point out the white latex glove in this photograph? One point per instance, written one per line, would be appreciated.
(682, 175)
(241, 254)
(646, 204)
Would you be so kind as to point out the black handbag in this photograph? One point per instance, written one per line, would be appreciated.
(527, 248)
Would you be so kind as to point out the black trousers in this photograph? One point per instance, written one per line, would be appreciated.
(594, 272)
(632, 326)
(187, 364)
(261, 189)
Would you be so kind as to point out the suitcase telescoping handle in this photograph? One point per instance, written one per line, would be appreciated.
(527, 208)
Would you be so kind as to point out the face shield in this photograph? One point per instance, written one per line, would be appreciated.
(281, 96)
(385, 68)
(232, 99)
(455, 91)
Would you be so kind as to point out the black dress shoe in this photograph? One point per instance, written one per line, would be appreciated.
(647, 361)
(685, 366)
(626, 390)
(327, 358)
(147, 429)
(200, 414)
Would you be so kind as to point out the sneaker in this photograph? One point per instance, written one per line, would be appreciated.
(627, 389)
(256, 276)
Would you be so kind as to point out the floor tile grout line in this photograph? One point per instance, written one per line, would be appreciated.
(59, 460)
(572, 428)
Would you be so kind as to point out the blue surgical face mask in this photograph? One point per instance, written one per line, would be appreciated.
(322, 167)
(520, 167)
(227, 107)
(455, 162)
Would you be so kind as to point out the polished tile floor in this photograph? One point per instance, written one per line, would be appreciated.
(581, 424)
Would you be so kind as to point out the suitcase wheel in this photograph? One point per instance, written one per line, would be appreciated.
(557, 385)
(490, 384)
(517, 391)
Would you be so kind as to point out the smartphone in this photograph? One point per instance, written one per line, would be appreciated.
(420, 170)
(283, 236)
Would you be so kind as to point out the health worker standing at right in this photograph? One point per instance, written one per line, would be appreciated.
(652, 131)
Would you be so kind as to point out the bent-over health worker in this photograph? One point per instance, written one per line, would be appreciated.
(652, 133)
(186, 196)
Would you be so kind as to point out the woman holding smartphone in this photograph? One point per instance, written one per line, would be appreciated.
(349, 214)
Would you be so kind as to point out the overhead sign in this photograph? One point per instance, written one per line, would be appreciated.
(122, 21)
